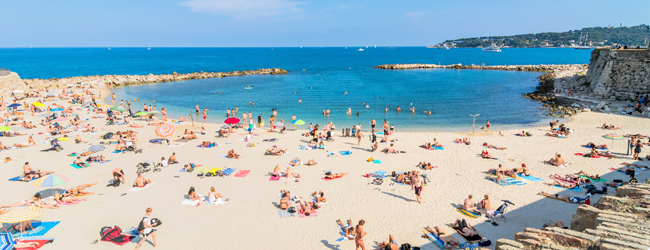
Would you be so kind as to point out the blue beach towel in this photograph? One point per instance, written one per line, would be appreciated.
(228, 171)
(40, 229)
(117, 152)
(211, 145)
(104, 162)
(75, 166)
(345, 153)
(576, 189)
(529, 178)
(376, 161)
(438, 148)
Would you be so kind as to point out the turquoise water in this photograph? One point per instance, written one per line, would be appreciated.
(318, 76)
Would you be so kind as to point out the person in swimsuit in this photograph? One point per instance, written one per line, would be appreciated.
(562, 184)
(447, 240)
(284, 202)
(524, 170)
(141, 181)
(31, 174)
(417, 182)
(348, 229)
(469, 204)
(191, 195)
(330, 175)
(118, 174)
(390, 245)
(464, 228)
(359, 234)
(79, 162)
(197, 110)
(232, 154)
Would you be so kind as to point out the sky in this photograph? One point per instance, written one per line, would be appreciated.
(293, 23)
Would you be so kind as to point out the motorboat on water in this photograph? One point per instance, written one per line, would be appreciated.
(360, 49)
(443, 47)
(248, 87)
(491, 49)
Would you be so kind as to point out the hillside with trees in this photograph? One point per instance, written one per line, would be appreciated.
(596, 36)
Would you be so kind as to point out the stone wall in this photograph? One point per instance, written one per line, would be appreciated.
(614, 222)
(618, 74)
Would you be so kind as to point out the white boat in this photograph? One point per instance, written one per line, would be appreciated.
(491, 49)
(360, 49)
(149, 48)
(248, 87)
(109, 48)
(443, 47)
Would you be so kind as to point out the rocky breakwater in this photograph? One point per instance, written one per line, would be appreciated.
(121, 80)
(534, 68)
(614, 222)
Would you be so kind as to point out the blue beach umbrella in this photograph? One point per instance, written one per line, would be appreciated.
(56, 109)
(14, 105)
(6, 241)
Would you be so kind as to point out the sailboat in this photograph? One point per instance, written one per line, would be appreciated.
(580, 44)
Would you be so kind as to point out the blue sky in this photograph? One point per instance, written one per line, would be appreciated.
(290, 23)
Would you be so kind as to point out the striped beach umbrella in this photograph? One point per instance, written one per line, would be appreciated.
(298, 122)
(20, 215)
(613, 136)
(51, 180)
(120, 109)
(165, 130)
(232, 120)
(96, 148)
(6, 241)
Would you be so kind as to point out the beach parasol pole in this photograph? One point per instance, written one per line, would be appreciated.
(474, 122)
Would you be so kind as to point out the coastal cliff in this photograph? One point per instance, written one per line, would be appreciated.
(122, 80)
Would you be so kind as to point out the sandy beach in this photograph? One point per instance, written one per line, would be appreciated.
(249, 219)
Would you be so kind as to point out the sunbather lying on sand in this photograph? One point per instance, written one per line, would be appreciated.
(634, 165)
(465, 141)
(79, 190)
(448, 241)
(330, 175)
(275, 151)
(295, 162)
(311, 162)
(3, 147)
(593, 177)
(307, 208)
(565, 198)
(190, 136)
(426, 166)
(562, 184)
(205, 144)
(98, 158)
(524, 134)
(390, 150)
(495, 147)
(592, 145)
(35, 200)
(30, 173)
(390, 245)
(426, 146)
(610, 126)
(577, 179)
(348, 229)
(232, 154)
(18, 145)
(190, 167)
(67, 198)
(595, 152)
(465, 229)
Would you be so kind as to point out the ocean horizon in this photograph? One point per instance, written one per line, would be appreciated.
(320, 77)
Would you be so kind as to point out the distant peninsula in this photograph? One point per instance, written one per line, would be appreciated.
(595, 36)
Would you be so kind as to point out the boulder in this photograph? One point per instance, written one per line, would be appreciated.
(601, 105)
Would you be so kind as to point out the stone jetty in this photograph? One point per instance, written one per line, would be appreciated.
(535, 68)
(614, 222)
(122, 80)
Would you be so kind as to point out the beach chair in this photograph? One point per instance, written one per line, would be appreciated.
(501, 211)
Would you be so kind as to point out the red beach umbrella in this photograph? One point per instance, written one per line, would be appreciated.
(232, 120)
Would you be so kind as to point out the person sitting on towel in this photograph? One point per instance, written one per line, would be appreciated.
(172, 159)
(320, 197)
(79, 162)
(30, 173)
(295, 162)
(468, 204)
(232, 154)
(448, 241)
(464, 228)
(285, 201)
(191, 195)
(311, 162)
(141, 181)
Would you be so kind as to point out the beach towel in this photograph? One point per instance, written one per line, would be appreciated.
(213, 170)
(188, 202)
(274, 178)
(438, 148)
(40, 229)
(621, 171)
(228, 171)
(529, 178)
(467, 213)
(242, 173)
(41, 242)
(507, 181)
(285, 213)
(218, 202)
(21, 178)
(596, 147)
(329, 179)
(435, 240)
(593, 180)
(302, 215)
(345, 153)
(376, 161)
(211, 145)
(117, 152)
(576, 189)
(380, 174)
(102, 162)
(75, 166)
(472, 239)
(136, 189)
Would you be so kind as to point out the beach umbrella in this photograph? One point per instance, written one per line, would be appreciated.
(226, 126)
(20, 215)
(56, 109)
(6, 241)
(51, 181)
(232, 120)
(613, 137)
(60, 119)
(17, 91)
(14, 105)
(95, 148)
(5, 128)
(141, 113)
(38, 104)
(63, 139)
(120, 109)
(278, 124)
(165, 130)
(154, 112)
(298, 122)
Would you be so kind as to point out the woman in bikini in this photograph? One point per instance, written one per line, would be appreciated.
(191, 194)
(359, 234)
(330, 175)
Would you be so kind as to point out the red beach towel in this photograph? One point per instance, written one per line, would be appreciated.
(242, 173)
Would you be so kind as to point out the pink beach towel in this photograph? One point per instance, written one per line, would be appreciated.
(242, 173)
(274, 178)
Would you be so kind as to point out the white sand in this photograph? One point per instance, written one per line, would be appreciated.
(249, 220)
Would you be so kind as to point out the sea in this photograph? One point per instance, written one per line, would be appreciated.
(334, 78)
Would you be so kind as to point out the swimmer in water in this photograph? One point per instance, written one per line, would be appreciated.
(386, 109)
(367, 106)
(251, 103)
(345, 93)
(300, 100)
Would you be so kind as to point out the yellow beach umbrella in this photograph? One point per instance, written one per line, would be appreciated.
(38, 104)
(20, 215)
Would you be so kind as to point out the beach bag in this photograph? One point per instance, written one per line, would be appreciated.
(115, 235)
(291, 210)
(108, 135)
(156, 222)
(370, 159)
(393, 174)
(141, 225)
(485, 243)
(405, 246)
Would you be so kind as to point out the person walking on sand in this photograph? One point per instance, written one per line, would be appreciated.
(359, 135)
(359, 234)
(145, 229)
(417, 184)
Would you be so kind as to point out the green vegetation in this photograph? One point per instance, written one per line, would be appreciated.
(598, 36)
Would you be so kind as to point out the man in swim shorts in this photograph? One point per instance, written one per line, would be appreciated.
(417, 184)
(118, 174)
